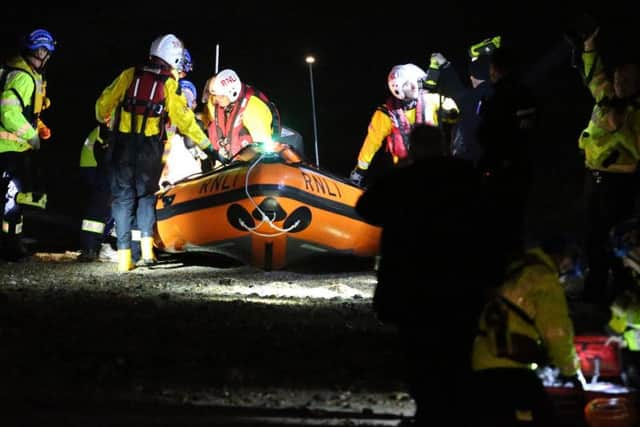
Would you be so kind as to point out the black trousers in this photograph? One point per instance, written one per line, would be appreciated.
(610, 200)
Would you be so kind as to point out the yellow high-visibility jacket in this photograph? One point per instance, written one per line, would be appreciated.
(381, 125)
(21, 101)
(533, 286)
(625, 318)
(180, 115)
(609, 128)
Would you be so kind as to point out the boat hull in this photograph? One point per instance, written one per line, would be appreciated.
(267, 213)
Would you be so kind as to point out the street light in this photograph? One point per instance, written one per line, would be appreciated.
(311, 60)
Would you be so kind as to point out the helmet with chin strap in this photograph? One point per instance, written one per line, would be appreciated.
(226, 83)
(189, 91)
(168, 48)
(187, 65)
(404, 81)
(39, 38)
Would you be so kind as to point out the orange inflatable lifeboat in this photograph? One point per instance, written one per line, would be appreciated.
(268, 208)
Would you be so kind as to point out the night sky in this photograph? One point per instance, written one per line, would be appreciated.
(266, 45)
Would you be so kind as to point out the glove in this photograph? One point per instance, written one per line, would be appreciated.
(438, 61)
(105, 133)
(215, 155)
(34, 142)
(357, 176)
(44, 132)
(197, 153)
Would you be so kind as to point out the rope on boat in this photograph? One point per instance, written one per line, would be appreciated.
(265, 218)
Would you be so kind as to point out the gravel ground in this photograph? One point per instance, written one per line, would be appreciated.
(193, 333)
(200, 340)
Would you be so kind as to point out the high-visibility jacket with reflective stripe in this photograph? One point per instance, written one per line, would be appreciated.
(537, 292)
(18, 105)
(610, 129)
(87, 158)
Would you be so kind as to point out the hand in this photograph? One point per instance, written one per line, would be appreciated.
(570, 381)
(215, 155)
(197, 153)
(105, 133)
(438, 60)
(616, 340)
(357, 176)
(43, 131)
(34, 142)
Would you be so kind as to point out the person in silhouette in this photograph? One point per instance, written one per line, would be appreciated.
(433, 254)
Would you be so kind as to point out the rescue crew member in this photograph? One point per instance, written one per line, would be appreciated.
(22, 99)
(610, 145)
(237, 115)
(96, 222)
(469, 98)
(187, 64)
(624, 323)
(408, 106)
(526, 321)
(143, 99)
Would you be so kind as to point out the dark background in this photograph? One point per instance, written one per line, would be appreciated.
(266, 45)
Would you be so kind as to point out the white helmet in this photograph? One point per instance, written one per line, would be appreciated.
(168, 48)
(226, 83)
(404, 81)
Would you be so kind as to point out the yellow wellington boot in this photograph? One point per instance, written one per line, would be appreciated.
(146, 247)
(125, 263)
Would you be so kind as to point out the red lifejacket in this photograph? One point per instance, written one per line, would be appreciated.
(226, 129)
(145, 96)
(398, 139)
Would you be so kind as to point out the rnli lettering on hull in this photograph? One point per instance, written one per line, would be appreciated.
(321, 185)
(222, 182)
(313, 183)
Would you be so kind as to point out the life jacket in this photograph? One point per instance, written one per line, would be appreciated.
(398, 139)
(226, 129)
(37, 97)
(145, 97)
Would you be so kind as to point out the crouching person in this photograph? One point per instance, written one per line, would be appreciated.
(525, 322)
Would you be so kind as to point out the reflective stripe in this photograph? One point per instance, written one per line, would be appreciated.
(632, 338)
(11, 101)
(525, 112)
(363, 165)
(136, 235)
(21, 132)
(93, 226)
(9, 136)
(6, 227)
